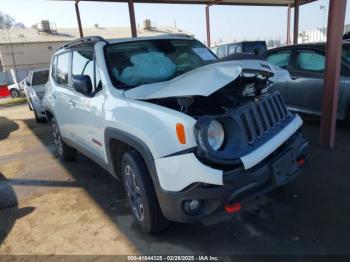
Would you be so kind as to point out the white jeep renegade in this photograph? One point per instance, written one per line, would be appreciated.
(186, 133)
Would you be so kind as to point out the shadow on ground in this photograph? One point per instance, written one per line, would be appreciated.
(308, 216)
(7, 126)
(9, 211)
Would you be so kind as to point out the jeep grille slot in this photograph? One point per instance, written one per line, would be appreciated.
(261, 117)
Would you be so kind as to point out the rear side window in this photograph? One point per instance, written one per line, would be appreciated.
(54, 67)
(222, 51)
(346, 52)
(310, 61)
(40, 78)
(232, 49)
(280, 59)
(62, 68)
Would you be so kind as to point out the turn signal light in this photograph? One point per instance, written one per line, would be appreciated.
(231, 208)
(180, 132)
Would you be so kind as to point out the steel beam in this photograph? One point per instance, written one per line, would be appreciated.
(207, 22)
(335, 28)
(132, 18)
(296, 21)
(288, 25)
(78, 18)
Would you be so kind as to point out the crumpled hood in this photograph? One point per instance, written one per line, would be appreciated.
(204, 80)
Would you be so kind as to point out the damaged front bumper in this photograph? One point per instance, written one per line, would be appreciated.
(237, 185)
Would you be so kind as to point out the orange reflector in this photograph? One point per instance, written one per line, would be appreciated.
(180, 132)
(231, 208)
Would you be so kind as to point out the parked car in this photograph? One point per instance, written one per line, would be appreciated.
(17, 89)
(186, 133)
(4, 92)
(35, 87)
(246, 47)
(306, 65)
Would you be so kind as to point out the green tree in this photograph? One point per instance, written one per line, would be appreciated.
(7, 22)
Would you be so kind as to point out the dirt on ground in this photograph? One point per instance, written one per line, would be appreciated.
(52, 207)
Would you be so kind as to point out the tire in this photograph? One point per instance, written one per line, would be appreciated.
(64, 151)
(140, 192)
(39, 119)
(14, 93)
(30, 106)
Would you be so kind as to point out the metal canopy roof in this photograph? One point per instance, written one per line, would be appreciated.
(212, 2)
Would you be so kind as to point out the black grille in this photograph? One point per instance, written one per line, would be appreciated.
(262, 117)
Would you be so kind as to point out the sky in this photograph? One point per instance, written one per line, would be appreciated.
(228, 23)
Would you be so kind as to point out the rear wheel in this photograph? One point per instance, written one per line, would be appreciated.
(141, 195)
(64, 151)
(14, 93)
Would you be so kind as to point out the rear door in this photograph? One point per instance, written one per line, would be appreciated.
(62, 94)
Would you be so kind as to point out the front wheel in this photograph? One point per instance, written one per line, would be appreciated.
(141, 195)
(14, 93)
(64, 151)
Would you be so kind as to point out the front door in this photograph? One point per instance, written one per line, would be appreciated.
(88, 109)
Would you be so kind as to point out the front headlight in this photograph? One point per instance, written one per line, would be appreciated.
(215, 134)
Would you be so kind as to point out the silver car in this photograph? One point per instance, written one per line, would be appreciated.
(35, 87)
(306, 65)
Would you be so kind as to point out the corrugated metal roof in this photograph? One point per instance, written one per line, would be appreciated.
(217, 2)
(69, 34)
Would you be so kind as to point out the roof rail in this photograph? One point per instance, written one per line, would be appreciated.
(178, 34)
(82, 41)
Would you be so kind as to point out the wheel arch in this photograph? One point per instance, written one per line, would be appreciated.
(49, 116)
(118, 142)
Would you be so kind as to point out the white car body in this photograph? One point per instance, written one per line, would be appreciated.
(88, 123)
(35, 88)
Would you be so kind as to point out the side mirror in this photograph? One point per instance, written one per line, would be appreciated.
(27, 82)
(82, 84)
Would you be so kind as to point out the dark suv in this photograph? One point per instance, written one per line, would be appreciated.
(245, 47)
(306, 64)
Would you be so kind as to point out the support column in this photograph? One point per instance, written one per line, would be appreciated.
(288, 25)
(132, 18)
(296, 21)
(78, 18)
(334, 45)
(207, 22)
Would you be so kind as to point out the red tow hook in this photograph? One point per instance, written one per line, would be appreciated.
(301, 161)
(232, 208)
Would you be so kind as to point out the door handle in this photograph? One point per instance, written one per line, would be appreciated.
(294, 77)
(71, 103)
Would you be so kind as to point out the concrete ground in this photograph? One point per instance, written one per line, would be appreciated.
(51, 207)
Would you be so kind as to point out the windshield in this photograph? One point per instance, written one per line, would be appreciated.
(346, 53)
(144, 62)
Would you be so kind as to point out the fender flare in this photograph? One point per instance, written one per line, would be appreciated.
(134, 142)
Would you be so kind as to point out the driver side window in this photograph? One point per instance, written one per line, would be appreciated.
(83, 63)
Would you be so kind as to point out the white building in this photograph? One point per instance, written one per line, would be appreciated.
(316, 35)
(32, 48)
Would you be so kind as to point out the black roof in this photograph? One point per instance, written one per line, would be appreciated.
(305, 45)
